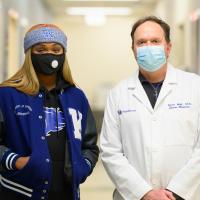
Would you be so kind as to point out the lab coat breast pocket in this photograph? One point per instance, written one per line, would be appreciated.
(180, 125)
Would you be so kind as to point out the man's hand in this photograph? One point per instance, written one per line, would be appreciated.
(21, 162)
(159, 194)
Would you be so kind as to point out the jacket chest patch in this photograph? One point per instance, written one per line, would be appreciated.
(22, 110)
(54, 120)
(76, 120)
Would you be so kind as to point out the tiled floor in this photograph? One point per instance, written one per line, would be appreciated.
(98, 186)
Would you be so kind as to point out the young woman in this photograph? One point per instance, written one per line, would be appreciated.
(47, 133)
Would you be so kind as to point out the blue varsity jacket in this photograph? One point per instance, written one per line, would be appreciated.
(22, 116)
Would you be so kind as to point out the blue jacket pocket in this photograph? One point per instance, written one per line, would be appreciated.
(82, 170)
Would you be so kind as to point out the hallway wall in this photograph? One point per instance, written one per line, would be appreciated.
(178, 14)
(99, 56)
(25, 13)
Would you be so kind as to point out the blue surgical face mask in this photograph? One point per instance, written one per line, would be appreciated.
(151, 58)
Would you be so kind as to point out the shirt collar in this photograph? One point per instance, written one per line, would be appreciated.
(144, 80)
(60, 85)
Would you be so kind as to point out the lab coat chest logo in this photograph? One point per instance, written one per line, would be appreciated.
(76, 119)
(120, 112)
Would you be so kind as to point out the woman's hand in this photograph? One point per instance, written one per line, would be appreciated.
(21, 162)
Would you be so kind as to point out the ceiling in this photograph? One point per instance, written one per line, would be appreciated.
(138, 7)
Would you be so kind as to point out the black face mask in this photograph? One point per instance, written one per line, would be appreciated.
(47, 64)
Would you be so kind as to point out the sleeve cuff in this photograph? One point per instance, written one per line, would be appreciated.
(176, 195)
(9, 159)
(88, 163)
(177, 190)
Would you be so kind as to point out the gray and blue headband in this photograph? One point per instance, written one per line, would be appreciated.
(45, 34)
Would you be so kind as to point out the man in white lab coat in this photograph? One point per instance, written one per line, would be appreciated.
(150, 144)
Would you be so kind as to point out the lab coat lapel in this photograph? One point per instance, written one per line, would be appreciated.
(139, 92)
(168, 84)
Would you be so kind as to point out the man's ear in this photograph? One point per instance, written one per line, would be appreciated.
(134, 51)
(168, 49)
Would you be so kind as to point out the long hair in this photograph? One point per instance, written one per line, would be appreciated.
(26, 80)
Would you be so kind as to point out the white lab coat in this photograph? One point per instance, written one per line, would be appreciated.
(144, 148)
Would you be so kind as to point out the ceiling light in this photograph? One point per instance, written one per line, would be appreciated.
(24, 21)
(103, 0)
(96, 19)
(96, 16)
(104, 10)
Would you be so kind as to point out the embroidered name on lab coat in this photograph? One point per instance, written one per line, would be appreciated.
(179, 105)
